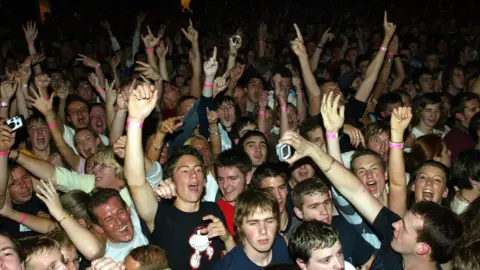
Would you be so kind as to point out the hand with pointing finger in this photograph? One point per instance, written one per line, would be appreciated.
(210, 66)
(171, 124)
(191, 34)
(216, 228)
(219, 84)
(297, 45)
(148, 71)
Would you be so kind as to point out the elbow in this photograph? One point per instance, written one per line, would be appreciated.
(95, 252)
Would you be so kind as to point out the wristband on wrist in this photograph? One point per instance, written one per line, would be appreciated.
(283, 108)
(320, 47)
(121, 110)
(208, 85)
(97, 66)
(3, 154)
(299, 93)
(3, 104)
(214, 132)
(31, 44)
(384, 49)
(52, 125)
(331, 135)
(395, 145)
(261, 112)
(149, 50)
(100, 90)
(134, 124)
(260, 42)
(22, 218)
(62, 219)
(390, 53)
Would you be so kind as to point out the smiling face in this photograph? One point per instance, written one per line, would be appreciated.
(86, 143)
(232, 182)
(39, 134)
(430, 184)
(20, 186)
(430, 115)
(114, 219)
(98, 119)
(189, 179)
(369, 170)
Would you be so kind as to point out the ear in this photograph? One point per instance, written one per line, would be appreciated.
(301, 264)
(98, 229)
(235, 141)
(413, 187)
(460, 116)
(97, 141)
(249, 177)
(298, 213)
(445, 193)
(422, 248)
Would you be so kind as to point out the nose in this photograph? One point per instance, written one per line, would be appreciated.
(369, 174)
(429, 182)
(263, 228)
(337, 264)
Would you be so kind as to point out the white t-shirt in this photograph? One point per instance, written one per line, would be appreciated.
(69, 133)
(211, 189)
(458, 206)
(419, 134)
(348, 266)
(119, 251)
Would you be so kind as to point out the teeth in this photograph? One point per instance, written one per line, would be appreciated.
(428, 191)
(371, 183)
(123, 228)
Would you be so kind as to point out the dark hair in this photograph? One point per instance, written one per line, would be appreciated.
(16, 246)
(185, 150)
(310, 236)
(423, 148)
(416, 76)
(35, 245)
(311, 124)
(467, 256)
(181, 100)
(423, 101)
(387, 99)
(470, 220)
(466, 168)
(240, 123)
(448, 75)
(100, 197)
(474, 126)
(375, 128)
(362, 58)
(75, 98)
(441, 229)
(233, 158)
(366, 152)
(459, 102)
(267, 170)
(308, 187)
(150, 257)
(253, 133)
(221, 98)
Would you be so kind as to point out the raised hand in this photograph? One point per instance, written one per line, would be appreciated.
(263, 101)
(333, 115)
(119, 146)
(38, 101)
(388, 26)
(297, 45)
(150, 40)
(191, 34)
(148, 71)
(171, 124)
(31, 31)
(355, 134)
(236, 72)
(161, 31)
(87, 61)
(141, 102)
(210, 66)
(238, 45)
(63, 91)
(393, 46)
(140, 18)
(219, 84)
(303, 148)
(106, 25)
(166, 189)
(297, 83)
(110, 93)
(161, 49)
(7, 90)
(400, 119)
(42, 81)
(212, 117)
(7, 138)
(277, 80)
(50, 198)
(115, 61)
(262, 32)
(25, 69)
(94, 80)
(37, 58)
(327, 37)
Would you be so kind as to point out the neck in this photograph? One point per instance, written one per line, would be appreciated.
(258, 258)
(187, 207)
(424, 128)
(412, 262)
(283, 220)
(42, 154)
(468, 195)
(292, 183)
(250, 106)
(453, 90)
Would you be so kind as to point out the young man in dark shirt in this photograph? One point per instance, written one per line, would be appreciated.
(312, 200)
(192, 233)
(425, 237)
(257, 220)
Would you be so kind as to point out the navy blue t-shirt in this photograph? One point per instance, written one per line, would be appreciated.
(355, 249)
(237, 259)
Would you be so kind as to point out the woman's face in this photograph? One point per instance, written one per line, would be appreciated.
(86, 143)
(458, 79)
(430, 184)
(9, 258)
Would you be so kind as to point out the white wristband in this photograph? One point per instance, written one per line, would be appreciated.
(3, 104)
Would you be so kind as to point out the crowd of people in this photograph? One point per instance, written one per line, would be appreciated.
(348, 145)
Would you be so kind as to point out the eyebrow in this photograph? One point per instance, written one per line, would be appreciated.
(7, 248)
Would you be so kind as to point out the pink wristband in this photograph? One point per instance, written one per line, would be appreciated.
(331, 135)
(391, 54)
(22, 218)
(148, 50)
(52, 125)
(395, 145)
(208, 85)
(3, 104)
(31, 44)
(101, 90)
(260, 42)
(383, 48)
(3, 154)
(299, 93)
(97, 66)
(134, 124)
(283, 108)
(261, 112)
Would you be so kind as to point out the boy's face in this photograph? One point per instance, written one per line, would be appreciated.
(317, 206)
(325, 259)
(259, 230)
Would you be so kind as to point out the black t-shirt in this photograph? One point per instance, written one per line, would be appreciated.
(354, 111)
(355, 249)
(178, 234)
(386, 257)
(33, 207)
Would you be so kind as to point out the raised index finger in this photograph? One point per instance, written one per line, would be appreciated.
(214, 52)
(299, 34)
(385, 21)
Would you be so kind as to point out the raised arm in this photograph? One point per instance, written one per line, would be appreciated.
(136, 38)
(110, 100)
(141, 103)
(314, 92)
(7, 91)
(113, 39)
(151, 41)
(386, 69)
(99, 82)
(262, 38)
(333, 117)
(7, 139)
(162, 51)
(301, 106)
(342, 179)
(374, 68)
(39, 168)
(168, 126)
(85, 241)
(31, 33)
(234, 45)
(315, 58)
(397, 197)
(195, 85)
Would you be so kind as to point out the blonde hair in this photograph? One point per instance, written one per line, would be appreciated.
(105, 155)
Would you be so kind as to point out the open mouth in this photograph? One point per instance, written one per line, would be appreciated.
(427, 195)
(88, 152)
(372, 187)
(123, 229)
(193, 187)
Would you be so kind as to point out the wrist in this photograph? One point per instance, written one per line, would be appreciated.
(332, 134)
(397, 137)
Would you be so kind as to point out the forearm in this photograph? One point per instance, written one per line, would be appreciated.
(163, 68)
(115, 44)
(262, 127)
(135, 42)
(118, 125)
(333, 147)
(40, 168)
(4, 175)
(229, 244)
(35, 223)
(37, 69)
(314, 92)
(315, 58)
(207, 89)
(382, 79)
(85, 241)
(261, 49)
(231, 88)
(215, 140)
(397, 198)
(301, 107)
(344, 49)
(283, 120)
(151, 60)
(61, 118)
(195, 84)
(110, 114)
(21, 103)
(399, 74)
(232, 58)
(101, 78)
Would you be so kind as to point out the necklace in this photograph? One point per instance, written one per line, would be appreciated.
(461, 196)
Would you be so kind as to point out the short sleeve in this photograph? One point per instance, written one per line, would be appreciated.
(68, 180)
